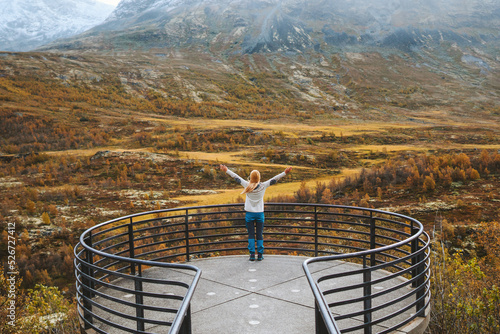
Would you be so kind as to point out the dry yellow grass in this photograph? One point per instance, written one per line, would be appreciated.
(234, 195)
(477, 146)
(388, 148)
(233, 158)
(398, 148)
(222, 157)
(92, 151)
(288, 128)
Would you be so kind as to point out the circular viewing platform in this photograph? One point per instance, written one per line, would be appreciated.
(327, 269)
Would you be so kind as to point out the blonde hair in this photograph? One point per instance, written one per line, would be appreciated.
(254, 181)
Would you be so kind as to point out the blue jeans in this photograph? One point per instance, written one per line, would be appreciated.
(255, 226)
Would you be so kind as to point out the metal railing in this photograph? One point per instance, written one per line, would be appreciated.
(394, 246)
(111, 261)
(101, 282)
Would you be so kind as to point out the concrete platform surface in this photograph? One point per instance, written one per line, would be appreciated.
(236, 296)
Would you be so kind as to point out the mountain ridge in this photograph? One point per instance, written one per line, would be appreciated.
(243, 26)
(275, 50)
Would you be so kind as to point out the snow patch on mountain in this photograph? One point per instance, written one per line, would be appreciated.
(26, 24)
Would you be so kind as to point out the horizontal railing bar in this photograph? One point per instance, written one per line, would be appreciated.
(236, 221)
(406, 321)
(98, 233)
(287, 234)
(171, 241)
(335, 237)
(107, 249)
(392, 230)
(128, 217)
(393, 263)
(114, 325)
(103, 268)
(141, 231)
(374, 268)
(343, 222)
(130, 291)
(219, 250)
(109, 239)
(374, 309)
(168, 257)
(379, 307)
(217, 235)
(359, 216)
(372, 296)
(124, 315)
(342, 246)
(159, 220)
(145, 254)
(305, 250)
(108, 272)
(132, 277)
(299, 227)
(131, 304)
(87, 324)
(404, 252)
(146, 262)
(358, 254)
(298, 242)
(357, 232)
(154, 228)
(225, 242)
(209, 213)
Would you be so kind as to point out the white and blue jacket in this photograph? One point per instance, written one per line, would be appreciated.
(254, 201)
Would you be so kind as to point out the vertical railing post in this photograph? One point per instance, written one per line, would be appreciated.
(414, 247)
(131, 246)
(320, 322)
(367, 293)
(186, 323)
(372, 239)
(418, 263)
(186, 228)
(315, 231)
(88, 283)
(139, 299)
(421, 284)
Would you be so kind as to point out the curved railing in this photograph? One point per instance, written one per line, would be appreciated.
(395, 262)
(114, 291)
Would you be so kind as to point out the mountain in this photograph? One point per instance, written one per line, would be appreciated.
(27, 24)
(344, 56)
(256, 26)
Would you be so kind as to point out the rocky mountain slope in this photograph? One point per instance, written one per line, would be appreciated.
(250, 26)
(348, 58)
(27, 24)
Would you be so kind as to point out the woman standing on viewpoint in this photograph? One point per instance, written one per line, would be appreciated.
(254, 207)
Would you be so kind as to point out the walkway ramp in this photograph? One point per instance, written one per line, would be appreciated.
(236, 296)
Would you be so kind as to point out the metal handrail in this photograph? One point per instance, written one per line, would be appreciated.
(120, 249)
(85, 312)
(323, 307)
